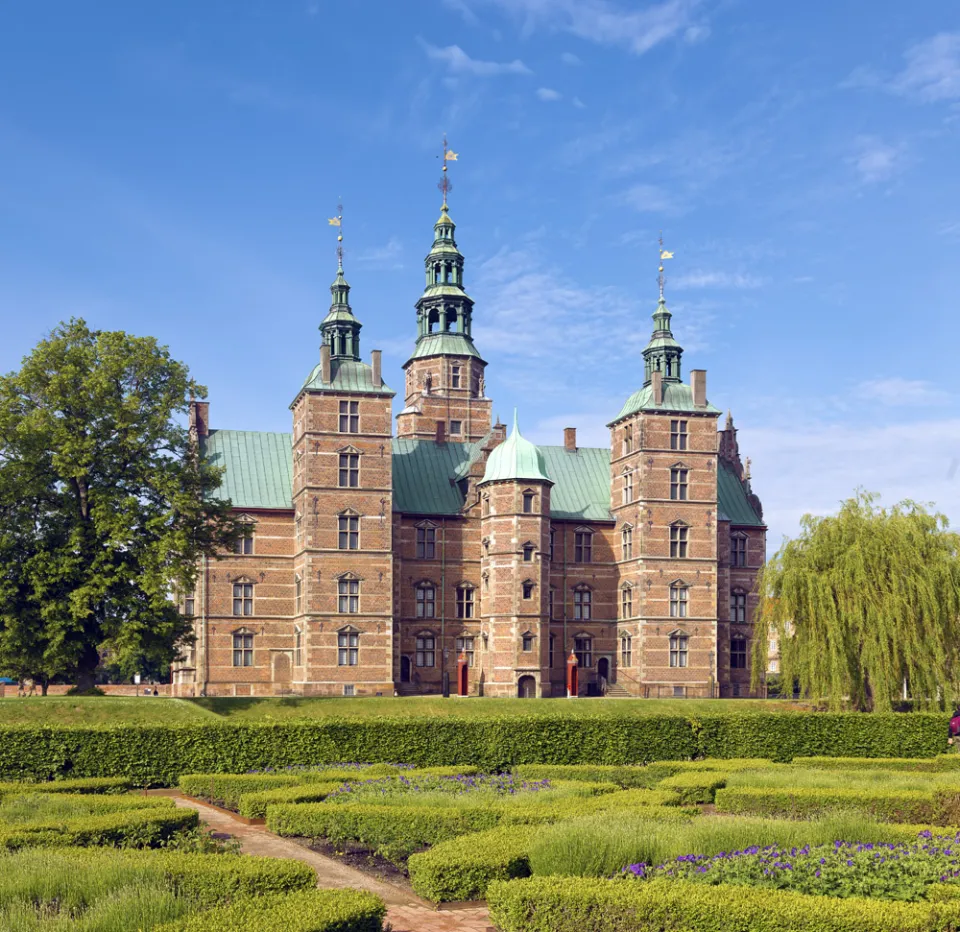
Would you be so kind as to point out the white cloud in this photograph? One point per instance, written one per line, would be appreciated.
(648, 197)
(875, 160)
(899, 391)
(699, 278)
(459, 6)
(608, 23)
(548, 93)
(387, 256)
(568, 58)
(459, 62)
(932, 71)
(578, 103)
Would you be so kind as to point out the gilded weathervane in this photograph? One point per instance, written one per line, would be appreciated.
(448, 156)
(338, 223)
(664, 254)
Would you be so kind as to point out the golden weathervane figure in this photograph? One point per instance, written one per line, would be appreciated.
(338, 223)
(664, 254)
(448, 156)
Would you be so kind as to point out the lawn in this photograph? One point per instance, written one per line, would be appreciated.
(105, 710)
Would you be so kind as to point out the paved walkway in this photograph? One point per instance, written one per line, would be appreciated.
(406, 912)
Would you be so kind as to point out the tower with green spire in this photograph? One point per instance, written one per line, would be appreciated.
(445, 393)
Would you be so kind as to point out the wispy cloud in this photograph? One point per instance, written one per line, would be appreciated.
(386, 256)
(578, 103)
(459, 6)
(932, 71)
(548, 93)
(649, 198)
(875, 160)
(699, 278)
(568, 58)
(459, 62)
(900, 391)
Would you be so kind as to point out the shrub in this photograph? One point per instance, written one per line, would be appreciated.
(564, 904)
(625, 801)
(90, 785)
(463, 868)
(594, 773)
(913, 806)
(308, 911)
(694, 786)
(944, 763)
(254, 805)
(33, 808)
(226, 789)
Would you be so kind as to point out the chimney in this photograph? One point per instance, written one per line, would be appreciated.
(656, 383)
(441, 428)
(199, 418)
(570, 439)
(698, 382)
(325, 362)
(375, 358)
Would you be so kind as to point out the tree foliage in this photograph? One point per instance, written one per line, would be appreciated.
(863, 602)
(105, 506)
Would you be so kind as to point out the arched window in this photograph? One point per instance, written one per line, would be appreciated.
(348, 647)
(678, 649)
(738, 653)
(582, 603)
(678, 600)
(626, 602)
(426, 649)
(243, 648)
(426, 600)
(679, 533)
(465, 601)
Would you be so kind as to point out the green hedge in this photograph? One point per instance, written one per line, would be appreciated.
(226, 789)
(91, 805)
(138, 828)
(494, 744)
(308, 911)
(94, 785)
(568, 904)
(695, 787)
(623, 776)
(913, 806)
(944, 763)
(254, 805)
(463, 868)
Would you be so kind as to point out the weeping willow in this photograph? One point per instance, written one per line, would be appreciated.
(862, 604)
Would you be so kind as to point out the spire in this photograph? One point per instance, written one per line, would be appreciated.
(516, 458)
(663, 352)
(340, 329)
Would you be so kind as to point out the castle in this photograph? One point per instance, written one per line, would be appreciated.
(454, 551)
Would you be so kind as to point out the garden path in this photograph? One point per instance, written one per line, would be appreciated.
(406, 912)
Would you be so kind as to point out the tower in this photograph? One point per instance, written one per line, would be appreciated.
(663, 488)
(342, 498)
(444, 392)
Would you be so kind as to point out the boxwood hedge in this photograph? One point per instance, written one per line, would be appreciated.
(159, 754)
(695, 786)
(254, 805)
(93, 785)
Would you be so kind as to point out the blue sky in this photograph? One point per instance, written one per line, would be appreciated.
(168, 169)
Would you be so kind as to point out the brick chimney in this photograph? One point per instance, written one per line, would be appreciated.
(199, 418)
(441, 431)
(698, 382)
(656, 383)
(570, 439)
(375, 361)
(325, 362)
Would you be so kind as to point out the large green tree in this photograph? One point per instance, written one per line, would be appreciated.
(105, 505)
(864, 602)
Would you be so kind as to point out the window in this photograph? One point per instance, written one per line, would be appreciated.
(349, 470)
(738, 550)
(243, 649)
(583, 648)
(553, 539)
(426, 602)
(738, 653)
(348, 596)
(426, 649)
(678, 650)
(551, 603)
(349, 417)
(527, 589)
(528, 553)
(626, 602)
(486, 505)
(348, 647)
(528, 498)
(456, 428)
(244, 544)
(583, 547)
(298, 646)
(349, 689)
(627, 442)
(678, 484)
(626, 651)
(464, 602)
(455, 378)
(243, 598)
(626, 543)
(526, 641)
(678, 435)
(678, 540)
(426, 543)
(551, 642)
(738, 606)
(298, 528)
(349, 526)
(298, 593)
(189, 605)
(627, 488)
(582, 603)
(465, 646)
(678, 601)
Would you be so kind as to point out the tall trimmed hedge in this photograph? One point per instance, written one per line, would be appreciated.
(159, 754)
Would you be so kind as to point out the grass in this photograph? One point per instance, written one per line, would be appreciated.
(17, 811)
(99, 710)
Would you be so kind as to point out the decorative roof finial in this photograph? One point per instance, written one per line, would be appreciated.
(338, 223)
(664, 254)
(448, 156)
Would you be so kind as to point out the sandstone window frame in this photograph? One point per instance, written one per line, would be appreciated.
(297, 594)
(528, 502)
(626, 650)
(348, 594)
(529, 551)
(348, 530)
(244, 544)
(242, 640)
(426, 599)
(626, 542)
(679, 482)
(466, 603)
(679, 646)
(582, 602)
(626, 601)
(456, 428)
(679, 601)
(348, 646)
(426, 541)
(679, 540)
(425, 654)
(739, 651)
(465, 645)
(627, 441)
(679, 436)
(527, 641)
(455, 372)
(738, 605)
(527, 588)
(348, 468)
(349, 414)
(243, 597)
(297, 646)
(583, 545)
(627, 486)
(738, 548)
(583, 649)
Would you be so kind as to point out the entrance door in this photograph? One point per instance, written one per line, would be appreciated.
(526, 687)
(603, 675)
(404, 669)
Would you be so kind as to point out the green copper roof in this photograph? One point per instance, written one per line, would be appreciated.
(734, 505)
(423, 476)
(444, 344)
(259, 467)
(581, 483)
(676, 397)
(516, 458)
(346, 375)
